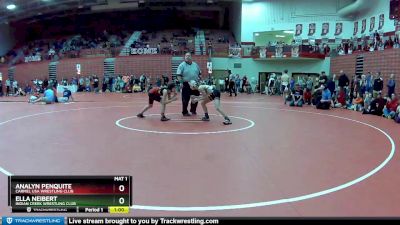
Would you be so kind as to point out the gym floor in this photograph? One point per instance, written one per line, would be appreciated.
(274, 160)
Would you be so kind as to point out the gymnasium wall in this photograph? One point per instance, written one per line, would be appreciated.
(4, 71)
(6, 39)
(386, 62)
(285, 14)
(347, 63)
(380, 7)
(24, 73)
(89, 66)
(151, 65)
(235, 19)
(251, 68)
(154, 65)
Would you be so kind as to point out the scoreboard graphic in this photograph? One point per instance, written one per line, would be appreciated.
(62, 194)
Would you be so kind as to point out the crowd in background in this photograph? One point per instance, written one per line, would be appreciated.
(71, 47)
(374, 43)
(363, 93)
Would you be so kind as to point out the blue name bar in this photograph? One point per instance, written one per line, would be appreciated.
(14, 220)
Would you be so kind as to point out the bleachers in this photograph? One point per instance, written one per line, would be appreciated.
(174, 42)
(74, 46)
(219, 40)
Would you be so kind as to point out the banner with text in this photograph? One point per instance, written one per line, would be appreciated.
(143, 51)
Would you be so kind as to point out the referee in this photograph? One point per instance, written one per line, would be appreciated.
(187, 71)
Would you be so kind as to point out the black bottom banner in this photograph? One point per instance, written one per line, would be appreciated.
(211, 221)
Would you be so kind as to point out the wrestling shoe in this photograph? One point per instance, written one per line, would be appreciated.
(164, 119)
(227, 122)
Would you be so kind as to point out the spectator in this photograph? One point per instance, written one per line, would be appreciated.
(278, 84)
(96, 84)
(389, 43)
(87, 84)
(210, 47)
(270, 89)
(201, 48)
(331, 85)
(363, 85)
(143, 80)
(369, 86)
(232, 83)
(341, 99)
(165, 79)
(378, 84)
(357, 102)
(244, 83)
(376, 106)
(391, 85)
(81, 83)
(226, 87)
(285, 84)
(15, 86)
(307, 96)
(390, 108)
(104, 84)
(323, 79)
(343, 80)
(27, 89)
(326, 99)
(292, 84)
(301, 82)
(352, 85)
(158, 82)
(297, 97)
(309, 83)
(367, 100)
(237, 83)
(8, 84)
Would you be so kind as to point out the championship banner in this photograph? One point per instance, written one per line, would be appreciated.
(299, 29)
(311, 29)
(339, 29)
(325, 29)
(372, 24)
(363, 25)
(355, 28)
(381, 21)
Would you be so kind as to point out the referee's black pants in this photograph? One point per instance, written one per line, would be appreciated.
(186, 93)
(232, 88)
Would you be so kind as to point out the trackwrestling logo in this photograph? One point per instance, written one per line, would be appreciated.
(33, 220)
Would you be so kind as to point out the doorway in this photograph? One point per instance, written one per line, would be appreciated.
(263, 78)
(304, 77)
